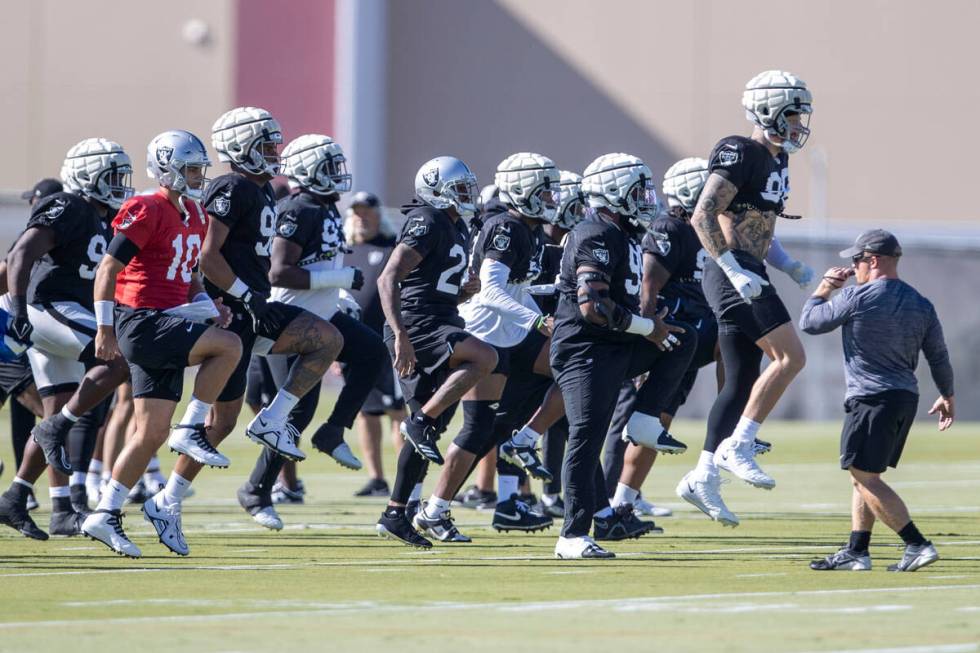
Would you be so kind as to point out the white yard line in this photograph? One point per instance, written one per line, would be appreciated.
(939, 648)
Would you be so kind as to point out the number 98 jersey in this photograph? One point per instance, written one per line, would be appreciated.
(601, 245)
(169, 243)
(249, 211)
(67, 272)
(432, 288)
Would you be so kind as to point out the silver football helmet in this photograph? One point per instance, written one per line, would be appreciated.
(623, 184)
(316, 163)
(770, 98)
(528, 184)
(683, 182)
(99, 169)
(168, 157)
(248, 137)
(571, 203)
(445, 182)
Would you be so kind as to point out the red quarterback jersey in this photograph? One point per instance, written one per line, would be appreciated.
(169, 243)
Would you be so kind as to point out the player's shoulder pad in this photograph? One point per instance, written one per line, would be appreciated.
(730, 151)
(227, 189)
(421, 221)
(56, 207)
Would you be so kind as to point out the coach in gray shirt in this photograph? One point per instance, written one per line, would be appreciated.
(884, 324)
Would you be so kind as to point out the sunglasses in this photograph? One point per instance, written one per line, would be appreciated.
(858, 258)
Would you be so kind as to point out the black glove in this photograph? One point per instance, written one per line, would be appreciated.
(20, 326)
(255, 304)
(358, 281)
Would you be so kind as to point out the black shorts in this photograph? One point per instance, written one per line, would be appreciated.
(433, 342)
(875, 430)
(735, 315)
(15, 377)
(386, 395)
(259, 337)
(519, 359)
(156, 346)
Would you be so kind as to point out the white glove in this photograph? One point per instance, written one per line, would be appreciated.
(747, 283)
(801, 273)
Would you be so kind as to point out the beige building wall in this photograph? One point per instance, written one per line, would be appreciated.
(119, 70)
(894, 85)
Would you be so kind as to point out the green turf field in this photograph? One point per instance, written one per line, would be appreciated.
(327, 582)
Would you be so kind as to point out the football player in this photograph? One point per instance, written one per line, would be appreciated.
(308, 272)
(151, 308)
(235, 263)
(600, 340)
(735, 218)
(436, 359)
(58, 252)
(506, 256)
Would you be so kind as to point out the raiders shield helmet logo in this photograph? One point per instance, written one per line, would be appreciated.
(501, 242)
(287, 228)
(663, 242)
(56, 208)
(222, 203)
(431, 177)
(375, 257)
(164, 153)
(127, 220)
(601, 255)
(418, 227)
(728, 156)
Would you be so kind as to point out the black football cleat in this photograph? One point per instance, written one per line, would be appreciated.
(516, 515)
(398, 528)
(526, 458)
(15, 515)
(68, 523)
(622, 525)
(422, 437)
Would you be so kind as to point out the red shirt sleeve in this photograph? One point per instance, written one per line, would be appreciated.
(135, 221)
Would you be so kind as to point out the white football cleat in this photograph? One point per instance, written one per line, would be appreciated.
(280, 437)
(739, 459)
(703, 491)
(269, 518)
(643, 430)
(106, 526)
(580, 548)
(165, 518)
(345, 457)
(192, 440)
(643, 508)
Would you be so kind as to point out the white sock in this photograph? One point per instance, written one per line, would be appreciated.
(526, 437)
(77, 478)
(29, 486)
(114, 496)
(507, 486)
(175, 489)
(624, 494)
(746, 430)
(93, 478)
(106, 475)
(279, 409)
(605, 512)
(196, 413)
(416, 492)
(706, 463)
(67, 414)
(435, 506)
(94, 466)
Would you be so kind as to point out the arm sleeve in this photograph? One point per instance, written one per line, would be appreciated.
(134, 222)
(934, 348)
(778, 257)
(822, 316)
(493, 293)
(420, 234)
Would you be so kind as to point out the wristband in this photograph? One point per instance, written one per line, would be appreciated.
(104, 310)
(238, 288)
(542, 321)
(641, 326)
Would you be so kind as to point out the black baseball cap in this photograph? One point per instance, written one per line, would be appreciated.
(362, 197)
(43, 188)
(876, 241)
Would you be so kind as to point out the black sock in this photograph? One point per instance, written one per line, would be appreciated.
(395, 511)
(18, 492)
(911, 535)
(859, 541)
(61, 504)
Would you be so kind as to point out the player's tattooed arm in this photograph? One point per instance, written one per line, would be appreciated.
(403, 260)
(284, 271)
(752, 231)
(655, 277)
(716, 196)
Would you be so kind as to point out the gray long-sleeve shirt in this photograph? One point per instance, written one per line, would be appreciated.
(885, 323)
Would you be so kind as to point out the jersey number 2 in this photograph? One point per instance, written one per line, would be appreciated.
(450, 279)
(185, 258)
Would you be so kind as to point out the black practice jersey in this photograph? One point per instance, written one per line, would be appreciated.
(602, 245)
(675, 245)
(370, 258)
(249, 211)
(316, 226)
(431, 290)
(761, 178)
(67, 272)
(509, 240)
(550, 269)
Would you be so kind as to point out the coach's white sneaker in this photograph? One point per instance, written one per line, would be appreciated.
(106, 526)
(580, 548)
(280, 437)
(269, 518)
(165, 518)
(643, 508)
(739, 459)
(192, 440)
(703, 491)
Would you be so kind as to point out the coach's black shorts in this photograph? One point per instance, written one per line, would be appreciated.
(156, 346)
(735, 315)
(386, 395)
(15, 377)
(518, 360)
(433, 342)
(875, 429)
(259, 338)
